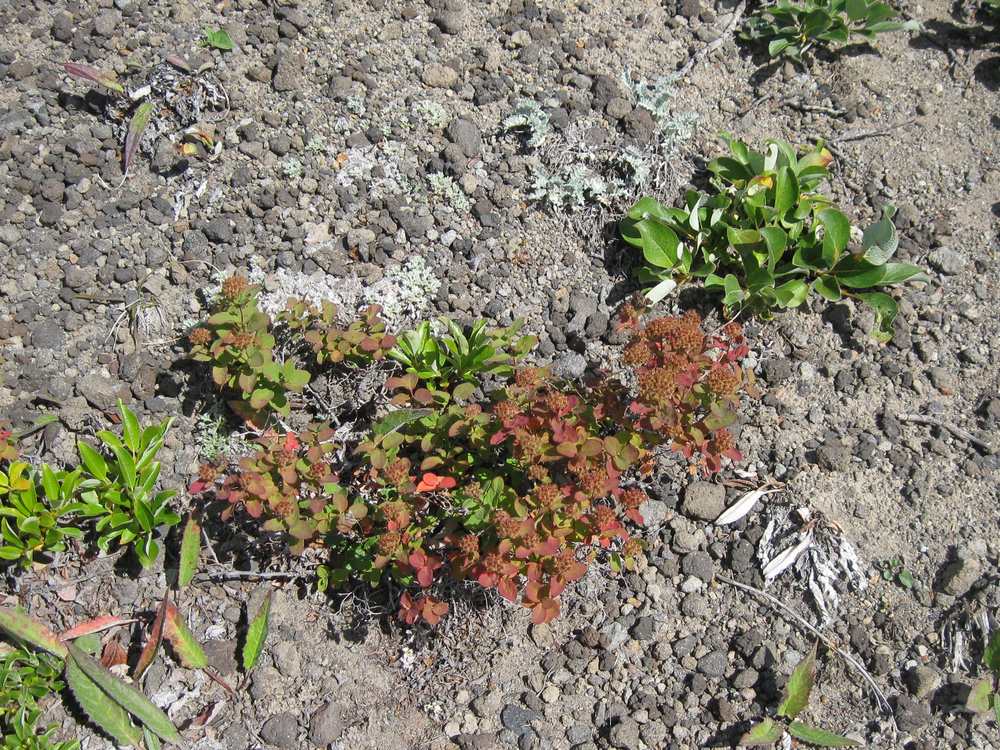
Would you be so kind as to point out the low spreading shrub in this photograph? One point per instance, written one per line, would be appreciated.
(518, 489)
(765, 238)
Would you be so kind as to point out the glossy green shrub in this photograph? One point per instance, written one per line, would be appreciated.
(765, 238)
(793, 29)
(460, 356)
(27, 678)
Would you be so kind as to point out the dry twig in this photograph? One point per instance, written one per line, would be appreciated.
(880, 697)
(954, 430)
(709, 48)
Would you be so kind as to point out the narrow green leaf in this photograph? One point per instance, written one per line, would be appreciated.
(257, 634)
(819, 737)
(800, 684)
(991, 657)
(190, 550)
(136, 127)
(764, 733)
(100, 708)
(185, 645)
(979, 697)
(792, 293)
(126, 696)
(20, 625)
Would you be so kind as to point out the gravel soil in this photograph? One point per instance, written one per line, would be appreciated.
(354, 137)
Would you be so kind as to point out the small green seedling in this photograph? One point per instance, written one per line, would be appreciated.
(794, 701)
(217, 38)
(985, 694)
(893, 570)
(119, 487)
(793, 29)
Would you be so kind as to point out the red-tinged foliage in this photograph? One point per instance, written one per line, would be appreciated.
(424, 607)
(518, 492)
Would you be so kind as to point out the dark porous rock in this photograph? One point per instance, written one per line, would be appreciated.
(47, 334)
(326, 725)
(466, 136)
(101, 392)
(625, 734)
(698, 564)
(517, 718)
(644, 628)
(281, 730)
(218, 230)
(713, 664)
(288, 69)
(777, 369)
(704, 500)
(911, 714)
(961, 573)
(478, 741)
(833, 455)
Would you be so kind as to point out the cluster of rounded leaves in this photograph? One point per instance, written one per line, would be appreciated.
(517, 490)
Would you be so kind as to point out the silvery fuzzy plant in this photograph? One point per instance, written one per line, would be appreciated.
(569, 174)
(171, 99)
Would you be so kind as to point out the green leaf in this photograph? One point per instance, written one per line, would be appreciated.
(885, 312)
(190, 550)
(800, 684)
(857, 9)
(261, 398)
(49, 483)
(786, 190)
(827, 287)
(991, 656)
(734, 292)
(100, 708)
(819, 737)
(218, 38)
(792, 293)
(659, 244)
(93, 460)
(20, 625)
(836, 235)
(395, 420)
(185, 645)
(880, 240)
(257, 635)
(136, 127)
(763, 733)
(978, 700)
(126, 696)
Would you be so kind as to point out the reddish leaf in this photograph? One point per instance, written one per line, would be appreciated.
(153, 644)
(96, 625)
